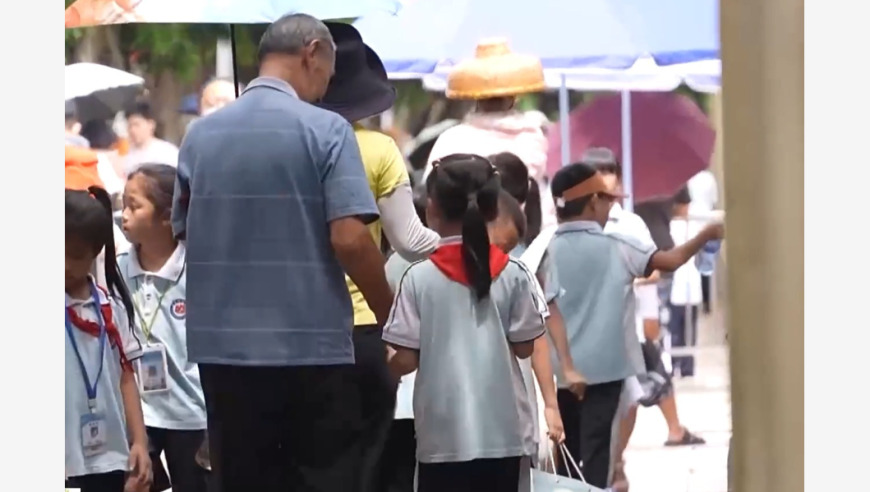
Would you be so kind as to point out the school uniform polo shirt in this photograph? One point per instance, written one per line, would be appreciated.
(161, 303)
(109, 401)
(470, 401)
(258, 183)
(395, 267)
(595, 273)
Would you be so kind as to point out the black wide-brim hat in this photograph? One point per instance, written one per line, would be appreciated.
(359, 88)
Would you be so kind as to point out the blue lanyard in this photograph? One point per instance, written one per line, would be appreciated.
(90, 389)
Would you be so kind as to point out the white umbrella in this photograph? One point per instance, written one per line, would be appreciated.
(99, 91)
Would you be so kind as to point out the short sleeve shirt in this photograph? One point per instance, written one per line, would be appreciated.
(160, 301)
(109, 401)
(255, 200)
(596, 272)
(395, 269)
(385, 170)
(470, 401)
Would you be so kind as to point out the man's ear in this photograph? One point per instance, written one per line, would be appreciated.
(76, 128)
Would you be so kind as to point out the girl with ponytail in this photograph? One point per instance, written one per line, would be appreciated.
(106, 444)
(462, 318)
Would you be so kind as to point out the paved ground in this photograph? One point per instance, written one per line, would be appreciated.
(705, 408)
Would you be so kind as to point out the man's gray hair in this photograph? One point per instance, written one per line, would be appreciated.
(289, 34)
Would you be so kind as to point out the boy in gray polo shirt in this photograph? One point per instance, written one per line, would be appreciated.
(595, 274)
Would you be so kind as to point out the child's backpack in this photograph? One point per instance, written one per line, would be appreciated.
(81, 168)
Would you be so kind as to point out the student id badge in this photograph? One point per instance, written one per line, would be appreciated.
(93, 434)
(152, 370)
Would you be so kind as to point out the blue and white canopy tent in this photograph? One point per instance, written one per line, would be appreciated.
(571, 37)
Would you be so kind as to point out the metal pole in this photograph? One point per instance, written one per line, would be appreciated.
(627, 163)
(563, 120)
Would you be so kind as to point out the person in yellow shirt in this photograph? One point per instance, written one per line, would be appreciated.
(358, 90)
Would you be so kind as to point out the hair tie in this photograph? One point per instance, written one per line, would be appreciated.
(472, 199)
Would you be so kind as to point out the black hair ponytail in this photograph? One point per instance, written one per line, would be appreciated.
(475, 248)
(534, 213)
(466, 188)
(114, 280)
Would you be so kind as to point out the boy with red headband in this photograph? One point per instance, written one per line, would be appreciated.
(596, 272)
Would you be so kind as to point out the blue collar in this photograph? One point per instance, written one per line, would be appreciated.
(272, 83)
(579, 225)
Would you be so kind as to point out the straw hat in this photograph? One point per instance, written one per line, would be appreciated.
(495, 72)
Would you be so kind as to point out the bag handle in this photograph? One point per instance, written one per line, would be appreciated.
(566, 455)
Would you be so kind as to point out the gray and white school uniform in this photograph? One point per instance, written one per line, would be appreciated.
(109, 402)
(470, 401)
(160, 299)
(596, 272)
(394, 268)
(533, 390)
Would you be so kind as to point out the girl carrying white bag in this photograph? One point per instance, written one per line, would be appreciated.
(532, 257)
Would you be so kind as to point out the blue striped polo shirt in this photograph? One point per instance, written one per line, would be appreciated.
(258, 183)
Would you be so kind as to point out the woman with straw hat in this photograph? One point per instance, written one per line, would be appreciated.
(358, 90)
(493, 79)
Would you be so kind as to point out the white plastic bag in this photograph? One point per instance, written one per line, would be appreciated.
(543, 481)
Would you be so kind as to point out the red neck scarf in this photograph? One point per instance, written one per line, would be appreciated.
(93, 328)
(448, 259)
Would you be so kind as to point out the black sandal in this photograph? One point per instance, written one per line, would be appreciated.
(688, 439)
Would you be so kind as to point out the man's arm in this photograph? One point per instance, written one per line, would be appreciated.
(350, 205)
(669, 261)
(363, 262)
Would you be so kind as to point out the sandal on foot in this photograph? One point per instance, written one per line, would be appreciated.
(688, 439)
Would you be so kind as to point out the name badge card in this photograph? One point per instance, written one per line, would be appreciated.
(152, 370)
(93, 434)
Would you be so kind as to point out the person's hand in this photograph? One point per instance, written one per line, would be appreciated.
(576, 382)
(140, 475)
(715, 231)
(652, 279)
(555, 429)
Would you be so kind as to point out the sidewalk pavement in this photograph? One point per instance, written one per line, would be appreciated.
(704, 405)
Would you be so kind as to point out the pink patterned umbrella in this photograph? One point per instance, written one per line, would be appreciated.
(672, 139)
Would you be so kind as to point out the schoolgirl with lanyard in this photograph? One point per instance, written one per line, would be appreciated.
(154, 269)
(106, 446)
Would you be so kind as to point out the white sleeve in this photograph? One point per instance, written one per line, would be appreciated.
(130, 335)
(407, 235)
(108, 176)
(641, 231)
(403, 325)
